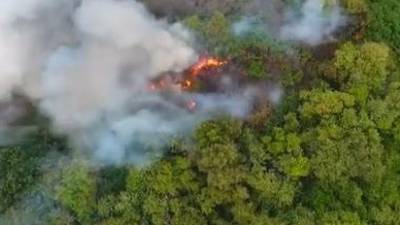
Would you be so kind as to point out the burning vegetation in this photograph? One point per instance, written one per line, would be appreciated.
(185, 81)
(202, 71)
(128, 128)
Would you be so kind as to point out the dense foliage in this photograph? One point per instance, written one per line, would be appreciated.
(328, 154)
(383, 25)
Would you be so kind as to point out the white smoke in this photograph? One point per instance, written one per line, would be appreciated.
(87, 64)
(244, 26)
(315, 23)
(311, 21)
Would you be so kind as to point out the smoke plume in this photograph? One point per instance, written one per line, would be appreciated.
(87, 65)
(309, 21)
(314, 24)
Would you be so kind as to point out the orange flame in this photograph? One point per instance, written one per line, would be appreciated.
(206, 63)
(188, 79)
(186, 84)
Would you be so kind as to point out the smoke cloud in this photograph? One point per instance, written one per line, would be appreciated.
(314, 24)
(87, 65)
(310, 21)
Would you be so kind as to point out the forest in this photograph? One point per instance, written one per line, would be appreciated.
(320, 145)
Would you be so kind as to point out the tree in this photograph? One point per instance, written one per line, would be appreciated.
(382, 22)
(363, 69)
(77, 191)
(355, 6)
(18, 171)
(323, 104)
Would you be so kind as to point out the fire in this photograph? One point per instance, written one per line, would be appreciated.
(186, 84)
(187, 80)
(206, 63)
